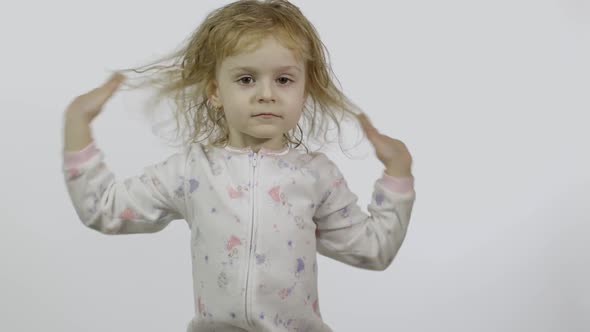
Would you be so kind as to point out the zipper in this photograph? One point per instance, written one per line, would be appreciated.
(253, 195)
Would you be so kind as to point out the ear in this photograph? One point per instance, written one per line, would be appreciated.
(213, 93)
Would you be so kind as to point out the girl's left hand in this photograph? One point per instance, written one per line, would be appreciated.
(391, 152)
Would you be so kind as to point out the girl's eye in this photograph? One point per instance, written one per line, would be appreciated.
(283, 80)
(286, 80)
(241, 80)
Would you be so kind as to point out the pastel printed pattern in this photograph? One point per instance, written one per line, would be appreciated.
(257, 221)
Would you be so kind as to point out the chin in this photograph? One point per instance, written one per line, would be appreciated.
(265, 133)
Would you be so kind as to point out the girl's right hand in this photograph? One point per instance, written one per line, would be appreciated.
(89, 105)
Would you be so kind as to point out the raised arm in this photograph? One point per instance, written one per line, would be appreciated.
(144, 203)
(348, 234)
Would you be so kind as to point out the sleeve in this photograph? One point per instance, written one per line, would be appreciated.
(145, 203)
(346, 233)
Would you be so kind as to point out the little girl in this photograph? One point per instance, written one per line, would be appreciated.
(258, 208)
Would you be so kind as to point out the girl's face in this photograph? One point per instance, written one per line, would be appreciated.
(268, 80)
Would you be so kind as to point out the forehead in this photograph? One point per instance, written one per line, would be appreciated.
(266, 54)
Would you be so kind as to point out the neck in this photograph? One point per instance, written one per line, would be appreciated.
(271, 144)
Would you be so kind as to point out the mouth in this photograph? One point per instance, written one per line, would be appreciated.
(266, 115)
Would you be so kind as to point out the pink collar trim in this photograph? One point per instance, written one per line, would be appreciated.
(262, 150)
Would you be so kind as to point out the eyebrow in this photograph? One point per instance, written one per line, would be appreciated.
(251, 69)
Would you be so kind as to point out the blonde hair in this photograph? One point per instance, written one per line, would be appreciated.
(235, 28)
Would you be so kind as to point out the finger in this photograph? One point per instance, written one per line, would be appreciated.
(370, 130)
(372, 136)
(363, 121)
(115, 80)
(361, 117)
(367, 123)
(111, 85)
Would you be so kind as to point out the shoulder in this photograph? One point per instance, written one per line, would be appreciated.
(195, 150)
(320, 159)
(320, 164)
(180, 156)
(308, 159)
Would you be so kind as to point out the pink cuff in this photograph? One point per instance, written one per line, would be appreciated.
(397, 184)
(72, 159)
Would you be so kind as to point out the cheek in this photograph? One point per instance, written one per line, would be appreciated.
(234, 117)
(293, 115)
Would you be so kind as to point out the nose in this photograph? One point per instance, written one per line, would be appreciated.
(265, 92)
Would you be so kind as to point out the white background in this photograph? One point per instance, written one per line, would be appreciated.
(491, 97)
